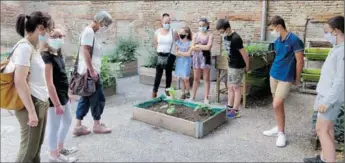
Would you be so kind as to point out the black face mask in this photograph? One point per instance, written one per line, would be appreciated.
(182, 36)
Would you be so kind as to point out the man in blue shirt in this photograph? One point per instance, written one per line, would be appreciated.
(285, 71)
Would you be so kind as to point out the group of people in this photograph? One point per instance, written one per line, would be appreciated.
(193, 51)
(42, 83)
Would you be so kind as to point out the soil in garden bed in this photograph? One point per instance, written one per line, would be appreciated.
(181, 112)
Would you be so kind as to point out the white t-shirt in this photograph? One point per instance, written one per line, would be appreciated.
(87, 39)
(26, 55)
(165, 41)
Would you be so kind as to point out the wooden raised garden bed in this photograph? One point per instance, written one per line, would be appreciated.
(184, 120)
(109, 91)
(147, 76)
(126, 69)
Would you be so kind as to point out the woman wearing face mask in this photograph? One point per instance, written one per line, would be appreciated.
(330, 91)
(30, 82)
(164, 41)
(90, 60)
(201, 51)
(59, 113)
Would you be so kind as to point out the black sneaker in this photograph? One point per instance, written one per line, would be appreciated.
(187, 95)
(316, 159)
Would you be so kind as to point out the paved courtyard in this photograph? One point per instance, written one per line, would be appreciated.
(239, 140)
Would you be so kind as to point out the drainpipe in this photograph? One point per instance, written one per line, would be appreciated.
(263, 20)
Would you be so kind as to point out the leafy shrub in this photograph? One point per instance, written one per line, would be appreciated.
(151, 62)
(107, 73)
(125, 50)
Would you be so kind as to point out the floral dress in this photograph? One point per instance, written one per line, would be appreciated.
(183, 63)
(199, 61)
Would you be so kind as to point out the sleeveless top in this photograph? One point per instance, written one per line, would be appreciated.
(165, 41)
(204, 55)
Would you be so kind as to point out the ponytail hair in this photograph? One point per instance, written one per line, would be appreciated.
(20, 24)
(32, 21)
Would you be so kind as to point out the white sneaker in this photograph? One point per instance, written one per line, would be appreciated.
(272, 132)
(190, 100)
(206, 101)
(68, 151)
(281, 140)
(62, 158)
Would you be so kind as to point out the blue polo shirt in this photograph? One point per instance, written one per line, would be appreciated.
(284, 64)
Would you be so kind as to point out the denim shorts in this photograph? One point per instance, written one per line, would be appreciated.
(331, 113)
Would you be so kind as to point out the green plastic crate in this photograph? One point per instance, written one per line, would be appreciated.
(310, 77)
(316, 57)
(319, 54)
(317, 50)
(312, 71)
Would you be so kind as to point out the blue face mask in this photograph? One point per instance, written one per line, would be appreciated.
(55, 43)
(166, 26)
(43, 38)
(202, 29)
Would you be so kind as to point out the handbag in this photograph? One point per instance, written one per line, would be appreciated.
(82, 84)
(9, 98)
(162, 58)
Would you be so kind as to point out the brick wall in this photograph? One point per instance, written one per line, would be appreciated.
(136, 16)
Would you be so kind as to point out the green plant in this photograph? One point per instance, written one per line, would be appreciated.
(204, 109)
(151, 62)
(257, 50)
(125, 50)
(108, 76)
(172, 92)
(171, 108)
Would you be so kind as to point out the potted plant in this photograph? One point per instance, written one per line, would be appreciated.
(108, 77)
(125, 54)
(259, 55)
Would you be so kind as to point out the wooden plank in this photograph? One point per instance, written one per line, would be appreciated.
(165, 121)
(244, 93)
(221, 62)
(305, 90)
(213, 122)
(110, 91)
(218, 85)
(149, 80)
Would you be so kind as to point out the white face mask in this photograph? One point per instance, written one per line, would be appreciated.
(55, 43)
(166, 26)
(330, 38)
(202, 29)
(275, 34)
(102, 29)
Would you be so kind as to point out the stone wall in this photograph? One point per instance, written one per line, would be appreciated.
(135, 17)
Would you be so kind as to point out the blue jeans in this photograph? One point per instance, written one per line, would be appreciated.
(96, 101)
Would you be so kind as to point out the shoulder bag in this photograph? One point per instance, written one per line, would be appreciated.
(82, 84)
(162, 59)
(9, 98)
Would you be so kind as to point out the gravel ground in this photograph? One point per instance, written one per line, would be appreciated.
(239, 140)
